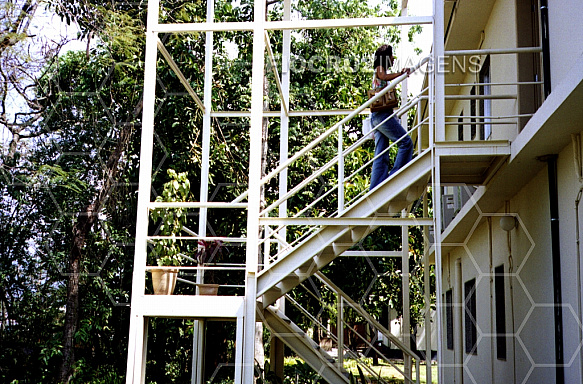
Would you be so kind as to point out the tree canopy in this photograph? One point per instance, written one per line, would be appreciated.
(68, 174)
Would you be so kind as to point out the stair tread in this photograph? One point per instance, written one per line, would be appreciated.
(329, 241)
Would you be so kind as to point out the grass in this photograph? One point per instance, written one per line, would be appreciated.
(387, 372)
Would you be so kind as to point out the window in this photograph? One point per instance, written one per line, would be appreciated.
(473, 114)
(471, 331)
(500, 312)
(485, 104)
(460, 127)
(449, 318)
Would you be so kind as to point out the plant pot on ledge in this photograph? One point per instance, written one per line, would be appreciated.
(164, 280)
(208, 289)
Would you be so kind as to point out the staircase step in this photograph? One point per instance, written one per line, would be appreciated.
(393, 195)
(357, 233)
(307, 269)
(396, 206)
(415, 192)
(295, 338)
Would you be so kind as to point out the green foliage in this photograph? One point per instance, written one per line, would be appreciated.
(87, 99)
(172, 220)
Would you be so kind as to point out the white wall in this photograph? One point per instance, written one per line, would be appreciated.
(566, 36)
(500, 32)
(533, 293)
(571, 287)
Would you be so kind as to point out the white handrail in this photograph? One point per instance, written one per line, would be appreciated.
(333, 129)
(365, 314)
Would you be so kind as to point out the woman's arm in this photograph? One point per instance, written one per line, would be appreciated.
(383, 75)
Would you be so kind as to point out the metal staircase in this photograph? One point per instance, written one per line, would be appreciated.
(436, 161)
(325, 244)
(295, 338)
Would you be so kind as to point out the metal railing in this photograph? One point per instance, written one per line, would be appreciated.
(343, 304)
(337, 161)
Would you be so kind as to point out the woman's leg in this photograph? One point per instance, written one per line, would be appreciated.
(394, 131)
(380, 166)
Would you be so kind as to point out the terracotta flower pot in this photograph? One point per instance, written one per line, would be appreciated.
(208, 289)
(164, 281)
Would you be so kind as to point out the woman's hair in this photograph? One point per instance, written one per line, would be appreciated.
(382, 56)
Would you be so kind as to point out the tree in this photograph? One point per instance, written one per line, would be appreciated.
(69, 192)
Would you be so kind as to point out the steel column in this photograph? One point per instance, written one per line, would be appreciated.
(255, 135)
(135, 372)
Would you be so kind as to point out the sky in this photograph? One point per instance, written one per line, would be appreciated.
(423, 40)
(50, 25)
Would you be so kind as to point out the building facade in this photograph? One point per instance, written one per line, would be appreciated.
(511, 270)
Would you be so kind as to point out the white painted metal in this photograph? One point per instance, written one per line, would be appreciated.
(293, 25)
(239, 350)
(180, 75)
(329, 132)
(135, 372)
(439, 132)
(406, 324)
(404, 85)
(340, 172)
(304, 346)
(378, 219)
(494, 51)
(194, 204)
(348, 302)
(255, 136)
(416, 171)
(298, 113)
(284, 101)
(427, 292)
(358, 216)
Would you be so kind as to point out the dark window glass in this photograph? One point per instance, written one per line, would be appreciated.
(471, 332)
(460, 127)
(449, 318)
(500, 312)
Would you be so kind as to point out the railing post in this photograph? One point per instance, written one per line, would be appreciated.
(340, 332)
(419, 127)
(406, 324)
(340, 172)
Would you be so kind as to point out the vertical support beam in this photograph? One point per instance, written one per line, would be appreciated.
(438, 260)
(239, 351)
(277, 346)
(198, 345)
(252, 254)
(458, 345)
(438, 114)
(406, 325)
(138, 324)
(198, 334)
(439, 69)
(284, 129)
(403, 59)
(340, 172)
(340, 332)
(427, 292)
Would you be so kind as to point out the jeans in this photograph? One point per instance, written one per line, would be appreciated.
(390, 130)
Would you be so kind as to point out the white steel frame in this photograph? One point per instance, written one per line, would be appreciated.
(243, 309)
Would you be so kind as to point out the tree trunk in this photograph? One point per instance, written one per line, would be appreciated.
(81, 230)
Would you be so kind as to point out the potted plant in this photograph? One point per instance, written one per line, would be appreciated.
(208, 251)
(167, 251)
